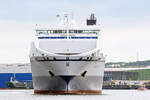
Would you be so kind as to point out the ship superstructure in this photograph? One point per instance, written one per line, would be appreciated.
(67, 58)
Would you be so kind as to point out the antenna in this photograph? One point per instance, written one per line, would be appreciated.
(137, 56)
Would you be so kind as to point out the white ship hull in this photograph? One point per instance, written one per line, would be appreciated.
(55, 76)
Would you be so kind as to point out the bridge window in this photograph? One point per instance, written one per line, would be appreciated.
(46, 32)
(75, 31)
(84, 31)
(41, 32)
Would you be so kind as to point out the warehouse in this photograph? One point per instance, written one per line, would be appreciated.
(139, 74)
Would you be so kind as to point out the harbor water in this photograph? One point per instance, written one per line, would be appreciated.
(106, 95)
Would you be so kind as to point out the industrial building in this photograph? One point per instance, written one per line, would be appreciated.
(139, 74)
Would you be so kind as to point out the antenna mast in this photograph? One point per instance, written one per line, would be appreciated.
(137, 56)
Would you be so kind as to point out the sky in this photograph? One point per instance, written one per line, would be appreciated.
(124, 24)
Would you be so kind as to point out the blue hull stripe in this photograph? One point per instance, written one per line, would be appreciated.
(66, 37)
(52, 37)
(83, 37)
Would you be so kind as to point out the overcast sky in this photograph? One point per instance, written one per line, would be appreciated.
(125, 25)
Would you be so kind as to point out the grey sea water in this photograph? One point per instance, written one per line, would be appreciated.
(106, 95)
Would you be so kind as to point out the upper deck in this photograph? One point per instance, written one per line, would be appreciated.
(72, 31)
(68, 38)
(67, 34)
(68, 29)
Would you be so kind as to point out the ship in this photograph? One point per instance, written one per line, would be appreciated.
(15, 75)
(66, 58)
(15, 84)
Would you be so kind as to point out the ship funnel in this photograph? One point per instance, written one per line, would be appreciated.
(91, 20)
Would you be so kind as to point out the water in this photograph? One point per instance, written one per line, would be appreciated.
(107, 95)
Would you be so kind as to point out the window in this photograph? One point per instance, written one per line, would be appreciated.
(46, 32)
(84, 31)
(41, 31)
